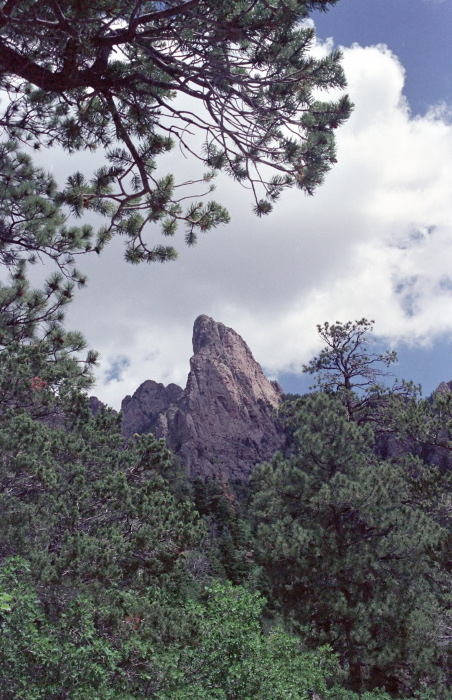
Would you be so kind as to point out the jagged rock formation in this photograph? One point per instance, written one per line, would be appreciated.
(95, 405)
(224, 422)
(141, 411)
(444, 388)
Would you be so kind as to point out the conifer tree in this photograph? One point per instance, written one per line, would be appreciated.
(32, 222)
(97, 595)
(93, 545)
(43, 367)
(350, 552)
(133, 79)
(33, 229)
(346, 366)
(228, 545)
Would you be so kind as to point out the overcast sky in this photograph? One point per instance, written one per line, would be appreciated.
(374, 241)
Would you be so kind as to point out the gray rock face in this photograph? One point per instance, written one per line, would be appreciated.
(444, 388)
(224, 422)
(95, 405)
(141, 410)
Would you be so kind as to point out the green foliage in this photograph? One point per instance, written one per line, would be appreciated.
(93, 542)
(108, 568)
(104, 558)
(229, 657)
(135, 78)
(32, 223)
(42, 380)
(225, 655)
(228, 545)
(350, 551)
(347, 367)
(94, 574)
(345, 362)
(100, 592)
(105, 513)
(5, 600)
(425, 422)
(44, 658)
(32, 337)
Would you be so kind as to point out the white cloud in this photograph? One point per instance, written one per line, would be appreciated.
(375, 241)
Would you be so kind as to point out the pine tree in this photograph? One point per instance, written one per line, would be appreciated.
(346, 366)
(93, 552)
(228, 545)
(104, 75)
(349, 552)
(32, 222)
(33, 228)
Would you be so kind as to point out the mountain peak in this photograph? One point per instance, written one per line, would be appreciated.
(205, 333)
(224, 422)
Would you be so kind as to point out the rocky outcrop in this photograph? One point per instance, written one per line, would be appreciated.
(95, 405)
(224, 422)
(444, 388)
(140, 411)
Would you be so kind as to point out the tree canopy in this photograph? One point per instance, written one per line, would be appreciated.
(348, 367)
(356, 550)
(345, 362)
(118, 578)
(136, 78)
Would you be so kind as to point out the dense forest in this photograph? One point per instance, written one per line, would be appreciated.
(328, 575)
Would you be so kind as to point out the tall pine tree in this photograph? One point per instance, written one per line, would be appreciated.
(350, 552)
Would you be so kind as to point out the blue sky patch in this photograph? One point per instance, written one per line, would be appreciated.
(118, 366)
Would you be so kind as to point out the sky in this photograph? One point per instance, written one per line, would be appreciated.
(375, 241)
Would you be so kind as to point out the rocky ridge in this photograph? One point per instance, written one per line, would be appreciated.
(224, 422)
(141, 411)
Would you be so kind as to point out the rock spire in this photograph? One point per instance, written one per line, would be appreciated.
(224, 422)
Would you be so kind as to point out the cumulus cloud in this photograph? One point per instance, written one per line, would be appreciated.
(374, 241)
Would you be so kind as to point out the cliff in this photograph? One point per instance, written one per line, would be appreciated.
(224, 422)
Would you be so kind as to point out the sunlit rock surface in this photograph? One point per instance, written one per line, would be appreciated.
(224, 422)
